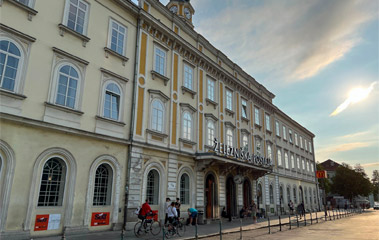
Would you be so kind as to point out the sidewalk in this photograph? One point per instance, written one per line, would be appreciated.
(204, 231)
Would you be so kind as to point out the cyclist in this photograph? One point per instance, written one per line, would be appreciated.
(172, 215)
(144, 212)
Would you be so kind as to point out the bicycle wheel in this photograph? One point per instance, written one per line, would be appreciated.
(181, 229)
(155, 228)
(139, 230)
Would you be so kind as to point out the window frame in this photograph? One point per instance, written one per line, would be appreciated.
(279, 158)
(152, 114)
(155, 187)
(296, 140)
(229, 99)
(86, 18)
(244, 108)
(30, 3)
(257, 116)
(211, 138)
(286, 160)
(190, 132)
(185, 190)
(228, 136)
(284, 132)
(301, 142)
(268, 122)
(121, 100)
(213, 98)
(269, 151)
(78, 85)
(191, 84)
(157, 47)
(109, 194)
(110, 30)
(277, 128)
(245, 137)
(290, 135)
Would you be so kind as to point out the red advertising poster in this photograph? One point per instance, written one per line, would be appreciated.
(42, 221)
(100, 219)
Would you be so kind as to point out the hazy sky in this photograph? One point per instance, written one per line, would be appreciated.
(310, 54)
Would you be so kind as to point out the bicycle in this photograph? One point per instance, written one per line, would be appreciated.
(147, 225)
(177, 228)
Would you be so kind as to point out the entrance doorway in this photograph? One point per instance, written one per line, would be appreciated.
(210, 196)
(301, 195)
(231, 203)
(246, 193)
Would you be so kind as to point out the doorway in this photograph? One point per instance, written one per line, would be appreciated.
(231, 203)
(210, 196)
(246, 193)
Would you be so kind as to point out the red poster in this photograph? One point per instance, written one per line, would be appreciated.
(100, 219)
(42, 221)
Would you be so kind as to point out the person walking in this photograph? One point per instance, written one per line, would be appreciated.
(290, 204)
(172, 215)
(253, 208)
(167, 204)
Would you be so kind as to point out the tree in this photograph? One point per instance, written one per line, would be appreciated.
(350, 182)
(375, 183)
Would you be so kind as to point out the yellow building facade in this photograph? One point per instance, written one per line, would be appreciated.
(105, 104)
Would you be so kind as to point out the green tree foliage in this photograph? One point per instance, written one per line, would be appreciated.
(350, 182)
(375, 183)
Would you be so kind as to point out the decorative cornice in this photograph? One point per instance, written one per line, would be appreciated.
(17, 33)
(160, 93)
(187, 105)
(210, 115)
(115, 75)
(229, 124)
(69, 55)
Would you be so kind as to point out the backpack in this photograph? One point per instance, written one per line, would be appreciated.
(138, 211)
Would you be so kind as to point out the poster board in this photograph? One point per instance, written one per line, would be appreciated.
(100, 219)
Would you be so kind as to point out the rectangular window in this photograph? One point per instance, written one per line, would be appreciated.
(257, 116)
(244, 108)
(310, 147)
(277, 130)
(284, 133)
(28, 3)
(160, 61)
(258, 147)
(298, 162)
(296, 141)
(290, 135)
(268, 122)
(211, 89)
(229, 99)
(312, 168)
(188, 76)
(76, 15)
(307, 166)
(303, 163)
(117, 37)
(301, 142)
(305, 144)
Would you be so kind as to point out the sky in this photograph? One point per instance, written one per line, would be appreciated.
(320, 59)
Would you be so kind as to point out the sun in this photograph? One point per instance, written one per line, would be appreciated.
(358, 94)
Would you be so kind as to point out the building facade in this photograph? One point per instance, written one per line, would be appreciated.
(105, 104)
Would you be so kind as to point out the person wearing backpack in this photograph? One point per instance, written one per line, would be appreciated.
(144, 211)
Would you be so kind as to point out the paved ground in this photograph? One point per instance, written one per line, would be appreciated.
(335, 228)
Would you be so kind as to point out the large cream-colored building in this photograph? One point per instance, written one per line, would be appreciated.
(105, 104)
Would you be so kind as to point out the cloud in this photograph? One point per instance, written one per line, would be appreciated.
(286, 40)
(374, 164)
(355, 95)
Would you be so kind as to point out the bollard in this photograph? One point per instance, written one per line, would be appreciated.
(122, 234)
(269, 227)
(280, 224)
(196, 235)
(297, 220)
(316, 218)
(64, 234)
(305, 219)
(330, 216)
(164, 233)
(289, 220)
(220, 230)
(241, 228)
(311, 217)
(334, 218)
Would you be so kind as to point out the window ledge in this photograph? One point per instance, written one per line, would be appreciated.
(110, 120)
(156, 133)
(63, 29)
(65, 109)
(291, 142)
(116, 54)
(185, 89)
(209, 101)
(257, 126)
(12, 94)
(229, 112)
(31, 12)
(186, 141)
(245, 119)
(155, 74)
(269, 131)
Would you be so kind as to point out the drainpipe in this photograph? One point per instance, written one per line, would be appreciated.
(131, 131)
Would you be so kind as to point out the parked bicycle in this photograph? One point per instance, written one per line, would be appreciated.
(147, 225)
(176, 228)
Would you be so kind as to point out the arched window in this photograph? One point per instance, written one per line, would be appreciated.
(152, 188)
(52, 183)
(271, 195)
(286, 159)
(68, 80)
(10, 58)
(292, 161)
(294, 195)
(279, 157)
(103, 185)
(229, 137)
(157, 116)
(210, 132)
(245, 143)
(269, 152)
(184, 189)
(112, 101)
(259, 193)
(187, 126)
(288, 195)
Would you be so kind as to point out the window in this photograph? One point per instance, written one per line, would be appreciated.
(277, 130)
(68, 79)
(157, 116)
(211, 89)
(268, 123)
(288, 195)
(28, 3)
(294, 195)
(286, 159)
(52, 183)
(117, 37)
(112, 101)
(284, 133)
(10, 63)
(229, 137)
(160, 61)
(305, 144)
(279, 157)
(103, 186)
(306, 196)
(258, 146)
(298, 162)
(310, 146)
(152, 187)
(269, 152)
(244, 108)
(271, 195)
(188, 76)
(312, 168)
(259, 194)
(301, 142)
(307, 166)
(229, 99)
(290, 135)
(211, 132)
(184, 189)
(257, 116)
(187, 126)
(296, 141)
(245, 143)
(303, 164)
(76, 15)
(292, 161)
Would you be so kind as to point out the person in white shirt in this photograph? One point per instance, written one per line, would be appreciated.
(172, 215)
(167, 204)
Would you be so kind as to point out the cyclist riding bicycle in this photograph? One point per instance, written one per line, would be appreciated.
(145, 211)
